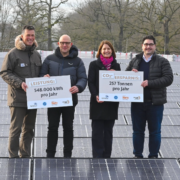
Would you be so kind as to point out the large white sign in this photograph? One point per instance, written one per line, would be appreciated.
(120, 86)
(47, 92)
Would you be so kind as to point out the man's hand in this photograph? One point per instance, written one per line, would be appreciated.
(24, 86)
(144, 83)
(74, 89)
(47, 75)
(135, 70)
(97, 99)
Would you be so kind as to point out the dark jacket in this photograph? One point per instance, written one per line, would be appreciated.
(20, 63)
(160, 76)
(57, 65)
(105, 110)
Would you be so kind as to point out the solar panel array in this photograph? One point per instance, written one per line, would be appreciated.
(82, 166)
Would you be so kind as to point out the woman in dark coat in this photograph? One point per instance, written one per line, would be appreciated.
(103, 114)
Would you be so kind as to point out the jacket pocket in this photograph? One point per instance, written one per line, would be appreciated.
(37, 68)
(22, 70)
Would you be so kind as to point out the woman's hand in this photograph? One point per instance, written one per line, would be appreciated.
(112, 70)
(135, 70)
(47, 75)
(97, 99)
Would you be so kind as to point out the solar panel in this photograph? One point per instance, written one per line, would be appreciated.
(170, 148)
(105, 169)
(15, 169)
(175, 120)
(4, 130)
(122, 147)
(4, 147)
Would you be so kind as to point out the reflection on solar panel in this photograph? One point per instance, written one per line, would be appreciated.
(102, 169)
(15, 169)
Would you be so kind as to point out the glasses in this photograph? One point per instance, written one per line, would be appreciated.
(146, 44)
(64, 43)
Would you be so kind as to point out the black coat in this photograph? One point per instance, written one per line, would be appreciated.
(57, 65)
(160, 76)
(105, 110)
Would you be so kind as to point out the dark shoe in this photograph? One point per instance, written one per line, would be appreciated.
(67, 155)
(50, 155)
(153, 157)
(138, 157)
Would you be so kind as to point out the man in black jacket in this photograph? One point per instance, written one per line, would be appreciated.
(157, 76)
(64, 62)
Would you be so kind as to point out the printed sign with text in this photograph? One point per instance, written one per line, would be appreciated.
(120, 86)
(47, 92)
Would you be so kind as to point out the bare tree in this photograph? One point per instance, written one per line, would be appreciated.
(52, 15)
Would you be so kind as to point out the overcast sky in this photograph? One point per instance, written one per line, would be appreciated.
(67, 7)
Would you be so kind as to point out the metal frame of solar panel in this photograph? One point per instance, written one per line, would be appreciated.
(112, 169)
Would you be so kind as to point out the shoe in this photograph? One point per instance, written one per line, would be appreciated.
(138, 157)
(67, 155)
(49, 155)
(153, 157)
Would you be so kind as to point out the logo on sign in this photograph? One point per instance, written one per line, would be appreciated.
(54, 103)
(42, 82)
(106, 97)
(44, 103)
(125, 98)
(108, 75)
(66, 102)
(115, 97)
(33, 105)
(137, 98)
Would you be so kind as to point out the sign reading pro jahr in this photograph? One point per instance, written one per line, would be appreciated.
(47, 92)
(120, 86)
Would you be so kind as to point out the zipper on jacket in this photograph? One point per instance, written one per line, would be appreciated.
(59, 69)
(30, 65)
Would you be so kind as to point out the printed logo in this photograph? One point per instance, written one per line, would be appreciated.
(108, 75)
(137, 98)
(125, 98)
(22, 65)
(115, 97)
(54, 103)
(33, 105)
(66, 102)
(106, 97)
(44, 103)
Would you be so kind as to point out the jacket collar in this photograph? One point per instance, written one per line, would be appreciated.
(19, 44)
(73, 52)
(139, 56)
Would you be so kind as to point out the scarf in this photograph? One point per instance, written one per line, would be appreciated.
(106, 61)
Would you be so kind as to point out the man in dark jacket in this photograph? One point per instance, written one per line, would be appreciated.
(157, 76)
(21, 62)
(64, 62)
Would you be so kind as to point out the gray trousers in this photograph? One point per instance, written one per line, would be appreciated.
(22, 123)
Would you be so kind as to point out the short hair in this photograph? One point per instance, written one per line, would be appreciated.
(101, 45)
(29, 27)
(149, 37)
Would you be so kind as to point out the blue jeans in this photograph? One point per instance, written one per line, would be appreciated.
(153, 114)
